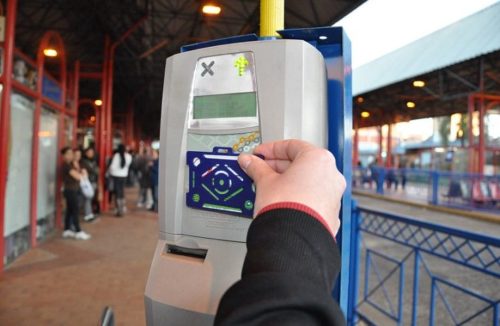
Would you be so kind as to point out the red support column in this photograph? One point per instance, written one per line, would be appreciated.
(109, 108)
(103, 126)
(107, 114)
(61, 144)
(111, 58)
(34, 160)
(355, 146)
(129, 123)
(76, 95)
(380, 142)
(481, 146)
(106, 141)
(388, 157)
(5, 114)
(97, 131)
(470, 105)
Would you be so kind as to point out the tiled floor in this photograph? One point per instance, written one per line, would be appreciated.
(69, 282)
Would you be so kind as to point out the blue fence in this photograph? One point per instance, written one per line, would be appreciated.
(458, 190)
(409, 272)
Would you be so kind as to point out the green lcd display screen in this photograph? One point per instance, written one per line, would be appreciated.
(237, 105)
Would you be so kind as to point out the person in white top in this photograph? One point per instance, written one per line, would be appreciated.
(118, 169)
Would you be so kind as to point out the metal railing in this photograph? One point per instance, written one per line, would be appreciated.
(409, 272)
(443, 188)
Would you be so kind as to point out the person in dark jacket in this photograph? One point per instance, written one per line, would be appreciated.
(71, 175)
(142, 166)
(292, 258)
(153, 173)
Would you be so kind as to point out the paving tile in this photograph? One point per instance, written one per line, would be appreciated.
(69, 282)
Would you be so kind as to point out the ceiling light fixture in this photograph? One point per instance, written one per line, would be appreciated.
(98, 102)
(418, 83)
(50, 52)
(211, 9)
(410, 104)
(365, 114)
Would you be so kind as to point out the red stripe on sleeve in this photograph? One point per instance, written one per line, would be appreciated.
(300, 207)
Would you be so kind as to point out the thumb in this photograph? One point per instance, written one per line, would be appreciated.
(255, 167)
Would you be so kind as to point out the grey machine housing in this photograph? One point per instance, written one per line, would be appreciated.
(292, 104)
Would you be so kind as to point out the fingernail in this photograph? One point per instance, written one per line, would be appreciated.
(244, 160)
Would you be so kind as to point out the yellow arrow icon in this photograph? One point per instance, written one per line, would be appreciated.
(241, 63)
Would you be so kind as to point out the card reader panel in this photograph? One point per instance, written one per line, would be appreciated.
(217, 183)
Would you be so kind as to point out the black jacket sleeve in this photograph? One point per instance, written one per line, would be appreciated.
(288, 274)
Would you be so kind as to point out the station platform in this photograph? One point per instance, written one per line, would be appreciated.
(69, 282)
(407, 199)
(482, 223)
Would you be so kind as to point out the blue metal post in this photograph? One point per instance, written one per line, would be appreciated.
(435, 187)
(335, 47)
(416, 283)
(367, 275)
(401, 293)
(338, 64)
(355, 256)
(432, 304)
(496, 315)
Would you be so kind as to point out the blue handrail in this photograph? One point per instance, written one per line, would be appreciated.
(407, 242)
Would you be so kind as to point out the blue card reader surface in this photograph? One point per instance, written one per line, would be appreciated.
(217, 183)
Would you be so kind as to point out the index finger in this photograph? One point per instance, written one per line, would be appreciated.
(283, 150)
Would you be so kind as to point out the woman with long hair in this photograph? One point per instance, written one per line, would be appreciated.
(90, 164)
(118, 169)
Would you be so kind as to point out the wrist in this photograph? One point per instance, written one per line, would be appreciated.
(300, 207)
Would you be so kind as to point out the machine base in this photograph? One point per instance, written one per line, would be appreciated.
(185, 285)
(158, 313)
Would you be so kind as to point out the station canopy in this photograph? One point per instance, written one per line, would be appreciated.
(170, 24)
(453, 62)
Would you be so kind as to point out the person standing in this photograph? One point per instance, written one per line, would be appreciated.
(142, 165)
(118, 169)
(402, 169)
(77, 158)
(153, 171)
(131, 178)
(71, 182)
(89, 163)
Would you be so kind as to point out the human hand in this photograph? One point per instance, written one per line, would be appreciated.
(296, 171)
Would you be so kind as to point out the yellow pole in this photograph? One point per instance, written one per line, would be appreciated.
(272, 17)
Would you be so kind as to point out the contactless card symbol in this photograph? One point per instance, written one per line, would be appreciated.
(241, 63)
(217, 183)
(207, 68)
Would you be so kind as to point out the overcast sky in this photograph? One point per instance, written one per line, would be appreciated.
(381, 26)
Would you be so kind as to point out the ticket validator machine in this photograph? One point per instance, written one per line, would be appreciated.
(221, 99)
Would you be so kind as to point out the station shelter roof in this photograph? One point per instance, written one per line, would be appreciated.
(169, 24)
(454, 61)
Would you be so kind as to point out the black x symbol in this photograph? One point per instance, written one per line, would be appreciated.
(207, 68)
